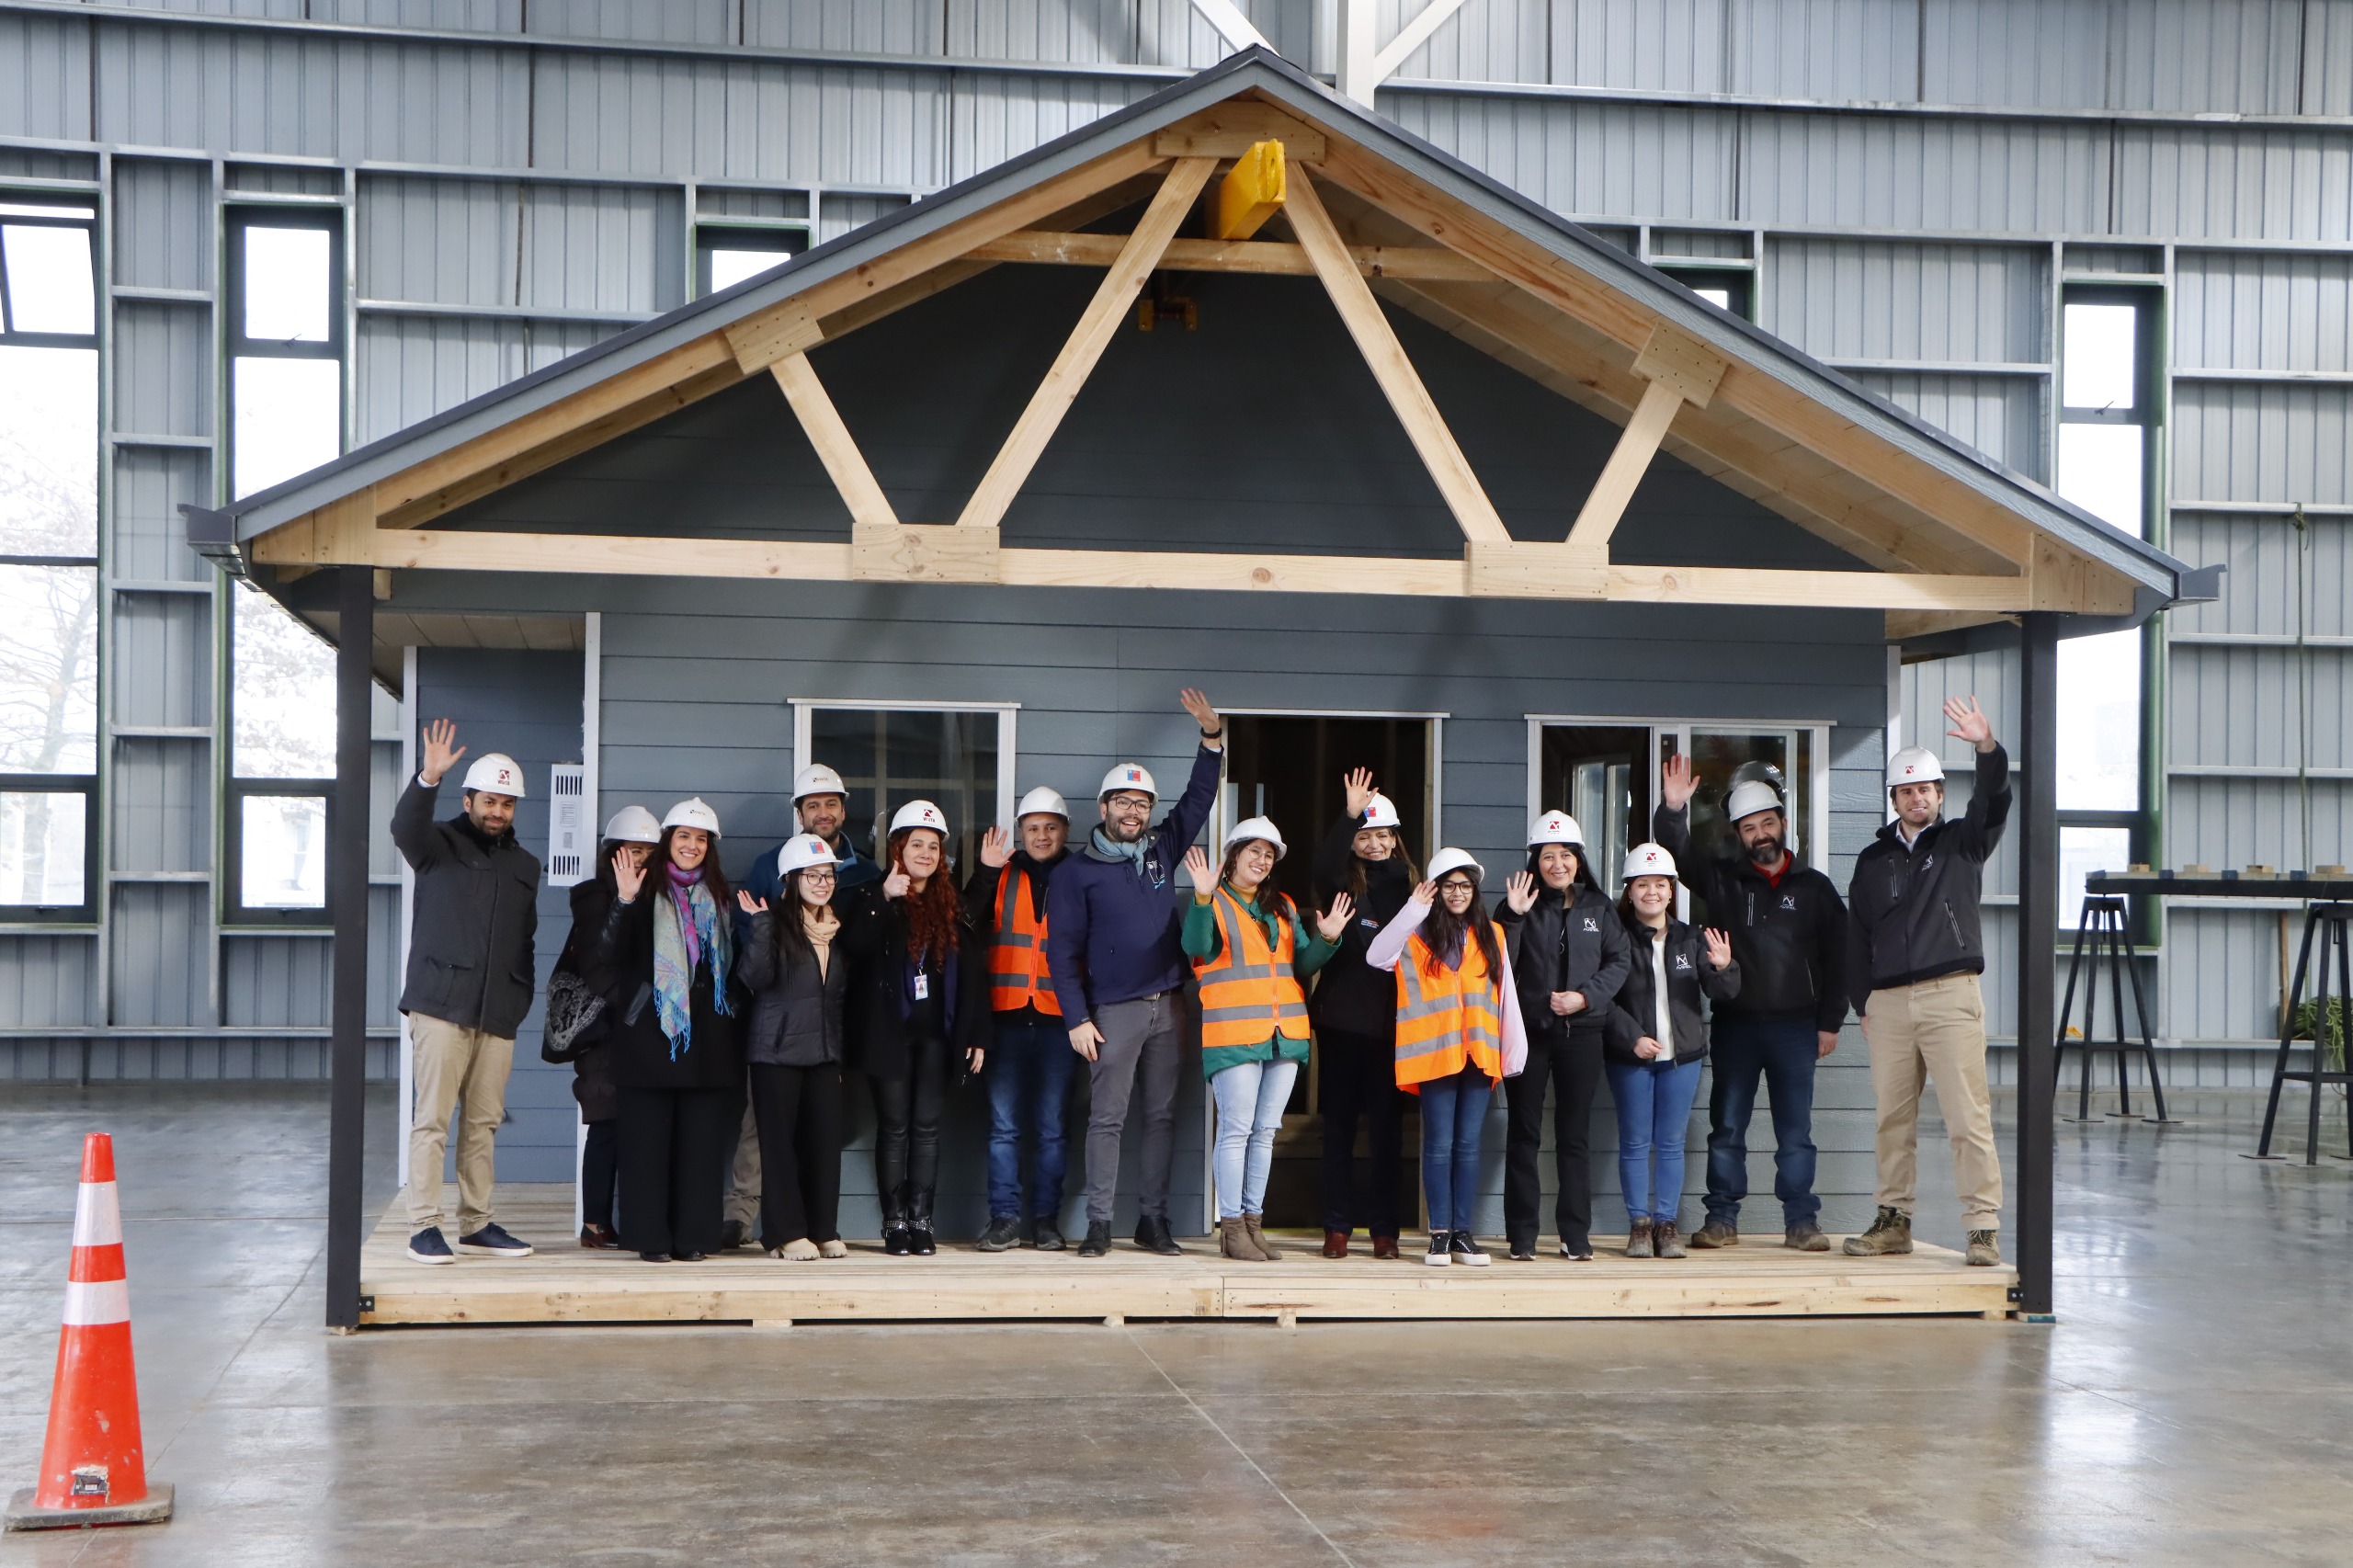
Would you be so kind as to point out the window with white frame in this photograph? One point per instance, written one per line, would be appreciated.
(48, 559)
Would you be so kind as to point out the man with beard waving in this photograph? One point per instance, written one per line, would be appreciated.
(1789, 938)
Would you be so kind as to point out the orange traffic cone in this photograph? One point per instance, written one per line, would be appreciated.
(93, 1468)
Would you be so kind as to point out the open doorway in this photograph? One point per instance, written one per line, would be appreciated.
(1289, 766)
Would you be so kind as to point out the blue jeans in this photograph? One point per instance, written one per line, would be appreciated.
(1783, 1052)
(1454, 1117)
(1250, 1100)
(1653, 1117)
(1028, 1080)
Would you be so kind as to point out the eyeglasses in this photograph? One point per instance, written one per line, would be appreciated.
(815, 876)
(1458, 887)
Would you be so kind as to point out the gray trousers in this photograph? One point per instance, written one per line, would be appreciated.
(744, 1176)
(1144, 1037)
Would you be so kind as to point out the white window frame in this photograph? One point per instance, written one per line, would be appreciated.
(1008, 715)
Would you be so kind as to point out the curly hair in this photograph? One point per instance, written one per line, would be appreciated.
(935, 917)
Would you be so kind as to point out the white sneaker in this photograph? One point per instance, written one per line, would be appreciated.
(1441, 1244)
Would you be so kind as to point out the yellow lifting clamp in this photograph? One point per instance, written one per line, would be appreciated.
(1251, 192)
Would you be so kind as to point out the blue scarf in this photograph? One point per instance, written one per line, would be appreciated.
(686, 928)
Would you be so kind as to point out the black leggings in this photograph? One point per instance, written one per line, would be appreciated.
(600, 1170)
(1573, 1067)
(906, 1128)
(798, 1110)
(1359, 1080)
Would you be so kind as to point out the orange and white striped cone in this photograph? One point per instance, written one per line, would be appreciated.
(93, 1468)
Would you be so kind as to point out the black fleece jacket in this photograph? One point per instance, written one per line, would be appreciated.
(1634, 1015)
(1913, 913)
(1571, 942)
(1788, 936)
(1351, 996)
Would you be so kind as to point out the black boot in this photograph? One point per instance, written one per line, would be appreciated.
(1154, 1235)
(1099, 1239)
(897, 1241)
(920, 1238)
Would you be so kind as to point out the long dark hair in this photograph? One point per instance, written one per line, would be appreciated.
(1585, 877)
(787, 915)
(1270, 899)
(1444, 931)
(657, 870)
(933, 915)
(1397, 857)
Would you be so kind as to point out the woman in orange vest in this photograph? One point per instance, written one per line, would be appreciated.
(1251, 954)
(1458, 1033)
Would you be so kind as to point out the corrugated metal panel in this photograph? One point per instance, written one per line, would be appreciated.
(412, 366)
(2143, 260)
(438, 15)
(1896, 300)
(1486, 41)
(840, 211)
(1841, 49)
(1173, 32)
(163, 659)
(2207, 55)
(2327, 82)
(281, 179)
(149, 534)
(162, 369)
(276, 979)
(2263, 442)
(2276, 312)
(2220, 974)
(992, 119)
(40, 165)
(48, 979)
(1999, 416)
(672, 22)
(603, 249)
(895, 26)
(48, 68)
(2259, 821)
(2237, 707)
(1589, 157)
(724, 201)
(2242, 184)
(161, 806)
(450, 242)
(2261, 588)
(156, 945)
(2037, 54)
(160, 209)
(1675, 46)
(1958, 175)
(1087, 30)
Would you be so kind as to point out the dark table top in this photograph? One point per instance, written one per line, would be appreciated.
(2294, 886)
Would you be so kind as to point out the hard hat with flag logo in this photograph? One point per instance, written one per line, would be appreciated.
(1129, 776)
(802, 851)
(1380, 811)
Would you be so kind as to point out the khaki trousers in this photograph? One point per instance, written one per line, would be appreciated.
(744, 1176)
(451, 1063)
(1935, 1030)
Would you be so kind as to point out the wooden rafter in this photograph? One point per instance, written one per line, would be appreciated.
(1113, 298)
(823, 424)
(1676, 372)
(1377, 341)
(1272, 256)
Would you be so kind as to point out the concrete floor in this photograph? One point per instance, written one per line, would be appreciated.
(2190, 1406)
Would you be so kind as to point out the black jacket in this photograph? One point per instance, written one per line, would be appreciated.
(1634, 1012)
(622, 946)
(979, 904)
(592, 1070)
(876, 1009)
(1350, 995)
(470, 957)
(1789, 938)
(1573, 943)
(794, 1016)
(1913, 914)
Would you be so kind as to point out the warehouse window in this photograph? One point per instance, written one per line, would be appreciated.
(286, 338)
(1726, 288)
(2106, 395)
(726, 255)
(281, 747)
(48, 566)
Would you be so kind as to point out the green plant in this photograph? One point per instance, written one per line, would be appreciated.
(2333, 1046)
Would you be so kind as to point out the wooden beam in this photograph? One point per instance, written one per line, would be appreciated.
(1230, 129)
(1823, 590)
(922, 553)
(821, 423)
(1251, 192)
(1418, 577)
(1903, 625)
(616, 555)
(1103, 312)
(1628, 460)
(1425, 427)
(1691, 368)
(1431, 262)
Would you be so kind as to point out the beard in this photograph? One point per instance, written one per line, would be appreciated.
(1765, 852)
(1119, 832)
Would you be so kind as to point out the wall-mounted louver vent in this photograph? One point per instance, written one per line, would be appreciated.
(570, 839)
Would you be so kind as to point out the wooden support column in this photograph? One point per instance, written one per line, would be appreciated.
(1679, 372)
(1449, 470)
(2038, 955)
(1113, 298)
(348, 907)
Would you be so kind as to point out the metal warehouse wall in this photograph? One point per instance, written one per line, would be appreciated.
(1912, 181)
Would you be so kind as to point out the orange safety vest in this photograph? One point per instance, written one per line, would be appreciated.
(1017, 976)
(1249, 992)
(1446, 1018)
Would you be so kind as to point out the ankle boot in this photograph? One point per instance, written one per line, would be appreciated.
(1267, 1249)
(896, 1240)
(920, 1242)
(1234, 1241)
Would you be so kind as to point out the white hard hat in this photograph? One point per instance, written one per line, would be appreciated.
(1750, 797)
(1648, 861)
(1126, 777)
(1249, 828)
(802, 851)
(1913, 764)
(817, 779)
(1380, 811)
(633, 824)
(1554, 827)
(693, 811)
(1042, 801)
(1447, 860)
(920, 813)
(496, 773)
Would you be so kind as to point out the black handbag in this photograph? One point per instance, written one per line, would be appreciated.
(577, 1018)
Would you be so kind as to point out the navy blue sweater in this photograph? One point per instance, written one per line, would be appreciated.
(1114, 934)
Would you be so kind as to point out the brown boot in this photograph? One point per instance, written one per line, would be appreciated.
(1385, 1246)
(1638, 1239)
(1267, 1249)
(1716, 1233)
(1336, 1243)
(1663, 1240)
(1891, 1233)
(1234, 1241)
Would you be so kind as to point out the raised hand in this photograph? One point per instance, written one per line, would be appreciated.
(1719, 948)
(1335, 920)
(628, 875)
(997, 848)
(748, 904)
(1425, 893)
(1520, 892)
(1358, 784)
(441, 750)
(896, 884)
(1675, 783)
(1969, 723)
(1198, 705)
(1197, 866)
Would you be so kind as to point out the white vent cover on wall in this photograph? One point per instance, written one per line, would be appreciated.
(570, 838)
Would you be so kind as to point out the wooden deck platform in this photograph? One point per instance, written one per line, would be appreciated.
(562, 1283)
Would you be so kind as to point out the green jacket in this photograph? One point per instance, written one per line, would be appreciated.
(1204, 941)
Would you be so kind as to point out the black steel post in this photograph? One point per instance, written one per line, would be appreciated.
(347, 904)
(2037, 818)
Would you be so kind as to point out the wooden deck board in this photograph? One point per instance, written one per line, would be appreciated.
(563, 1283)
